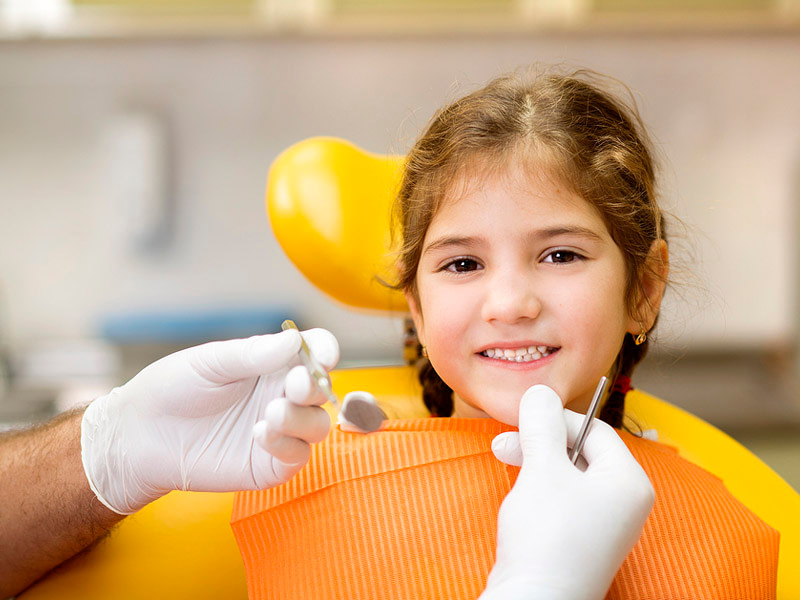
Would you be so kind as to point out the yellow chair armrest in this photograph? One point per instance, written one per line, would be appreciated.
(180, 546)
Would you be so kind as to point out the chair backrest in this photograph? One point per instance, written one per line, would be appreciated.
(332, 221)
(327, 198)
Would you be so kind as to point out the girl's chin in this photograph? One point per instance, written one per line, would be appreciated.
(507, 413)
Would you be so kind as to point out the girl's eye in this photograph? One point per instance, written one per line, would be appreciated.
(562, 257)
(461, 265)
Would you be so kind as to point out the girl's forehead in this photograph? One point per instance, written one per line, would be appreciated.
(529, 192)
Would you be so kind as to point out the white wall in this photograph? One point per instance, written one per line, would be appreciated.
(723, 109)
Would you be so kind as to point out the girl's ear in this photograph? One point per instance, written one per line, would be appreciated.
(416, 315)
(654, 280)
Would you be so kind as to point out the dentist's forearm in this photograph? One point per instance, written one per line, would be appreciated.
(48, 513)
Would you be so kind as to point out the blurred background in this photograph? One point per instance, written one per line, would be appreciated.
(135, 139)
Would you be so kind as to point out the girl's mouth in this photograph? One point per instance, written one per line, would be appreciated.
(520, 355)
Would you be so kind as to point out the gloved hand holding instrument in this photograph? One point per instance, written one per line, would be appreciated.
(222, 416)
(563, 533)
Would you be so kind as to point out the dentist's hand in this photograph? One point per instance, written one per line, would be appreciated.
(223, 416)
(563, 533)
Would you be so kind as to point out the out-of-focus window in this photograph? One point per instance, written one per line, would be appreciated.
(424, 5)
(112, 17)
(176, 5)
(640, 6)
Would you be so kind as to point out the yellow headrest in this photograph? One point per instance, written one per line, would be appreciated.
(329, 203)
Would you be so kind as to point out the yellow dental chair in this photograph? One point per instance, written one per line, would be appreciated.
(329, 204)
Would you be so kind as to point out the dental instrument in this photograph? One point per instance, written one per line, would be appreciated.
(364, 415)
(599, 393)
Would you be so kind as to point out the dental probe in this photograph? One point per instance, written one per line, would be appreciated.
(316, 370)
(366, 416)
(575, 452)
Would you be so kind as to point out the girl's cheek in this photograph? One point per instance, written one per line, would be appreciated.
(451, 313)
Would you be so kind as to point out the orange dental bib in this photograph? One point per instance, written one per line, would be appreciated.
(411, 512)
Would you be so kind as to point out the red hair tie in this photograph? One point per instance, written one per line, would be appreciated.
(622, 384)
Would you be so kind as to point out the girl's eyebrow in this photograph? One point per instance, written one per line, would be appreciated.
(577, 230)
(544, 234)
(450, 241)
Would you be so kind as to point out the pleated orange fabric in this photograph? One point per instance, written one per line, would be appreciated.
(411, 512)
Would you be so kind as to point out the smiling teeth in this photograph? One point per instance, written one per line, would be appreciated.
(528, 354)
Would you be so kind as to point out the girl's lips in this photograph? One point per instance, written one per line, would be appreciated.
(513, 345)
(518, 364)
(523, 353)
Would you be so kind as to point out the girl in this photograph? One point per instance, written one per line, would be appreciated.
(533, 247)
(533, 252)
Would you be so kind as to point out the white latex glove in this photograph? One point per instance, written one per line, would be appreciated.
(210, 418)
(563, 533)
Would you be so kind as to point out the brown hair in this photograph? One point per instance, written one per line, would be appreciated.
(590, 140)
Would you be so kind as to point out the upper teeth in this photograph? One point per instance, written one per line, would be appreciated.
(519, 354)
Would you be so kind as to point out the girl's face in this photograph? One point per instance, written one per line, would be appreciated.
(519, 283)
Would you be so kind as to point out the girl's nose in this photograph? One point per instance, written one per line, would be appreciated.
(511, 296)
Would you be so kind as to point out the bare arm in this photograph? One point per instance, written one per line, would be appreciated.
(48, 513)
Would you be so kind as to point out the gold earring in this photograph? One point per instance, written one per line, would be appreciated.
(424, 352)
(642, 337)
